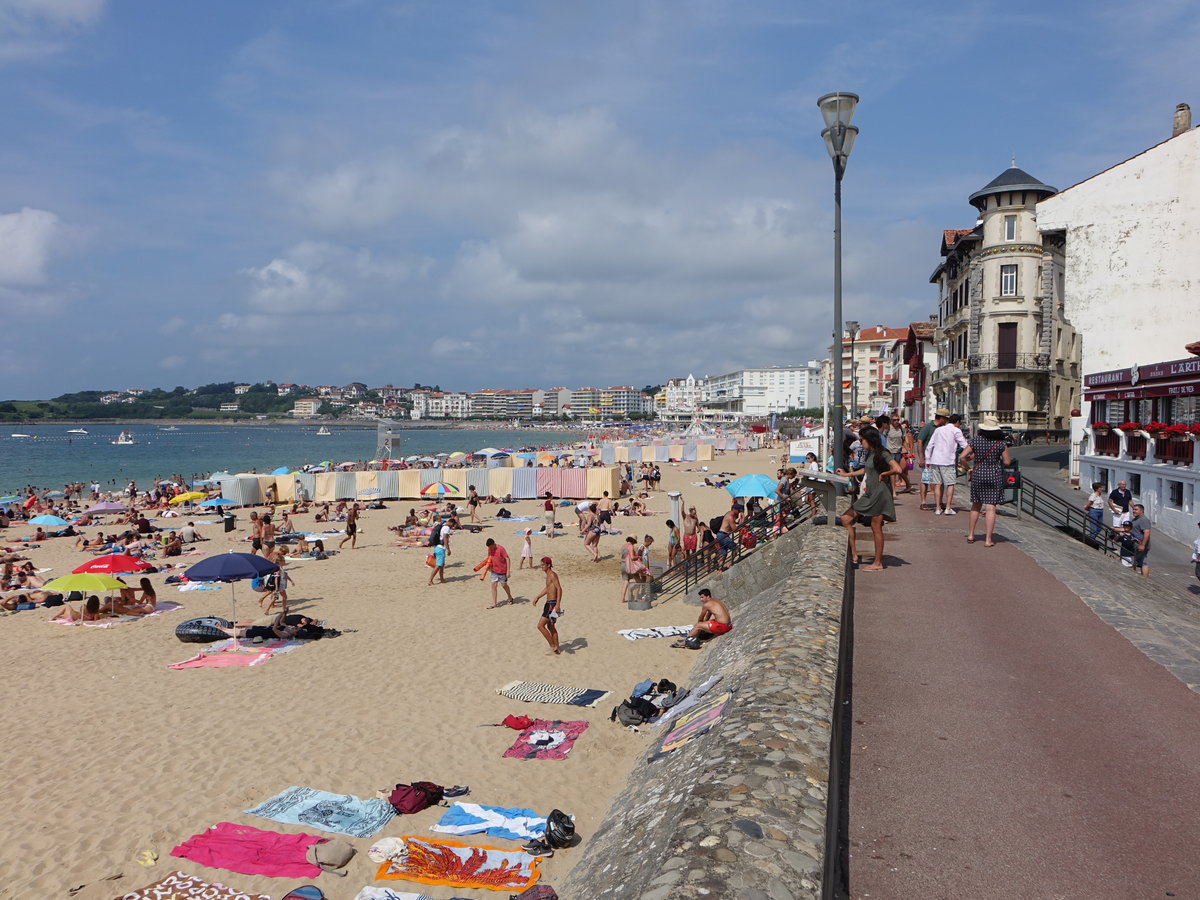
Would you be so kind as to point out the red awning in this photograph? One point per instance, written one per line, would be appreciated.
(1182, 388)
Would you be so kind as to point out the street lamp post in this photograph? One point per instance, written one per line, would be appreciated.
(837, 109)
(852, 331)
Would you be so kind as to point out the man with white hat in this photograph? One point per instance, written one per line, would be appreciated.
(941, 457)
(923, 438)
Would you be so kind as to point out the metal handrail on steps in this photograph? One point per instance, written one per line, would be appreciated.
(762, 528)
(1034, 500)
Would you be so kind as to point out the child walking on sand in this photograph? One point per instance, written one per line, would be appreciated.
(527, 550)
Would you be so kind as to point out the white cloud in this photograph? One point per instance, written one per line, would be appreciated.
(316, 277)
(33, 29)
(27, 237)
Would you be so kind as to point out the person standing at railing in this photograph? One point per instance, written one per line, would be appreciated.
(1094, 507)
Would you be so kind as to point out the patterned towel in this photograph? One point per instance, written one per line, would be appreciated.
(514, 824)
(386, 893)
(450, 863)
(536, 692)
(160, 607)
(636, 634)
(234, 654)
(181, 887)
(343, 813)
(546, 739)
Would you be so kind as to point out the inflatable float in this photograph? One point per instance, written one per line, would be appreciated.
(204, 630)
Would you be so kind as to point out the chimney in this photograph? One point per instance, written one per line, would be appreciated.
(1183, 120)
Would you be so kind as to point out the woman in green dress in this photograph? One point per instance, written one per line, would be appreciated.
(875, 500)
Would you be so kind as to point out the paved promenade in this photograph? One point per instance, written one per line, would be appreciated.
(1009, 740)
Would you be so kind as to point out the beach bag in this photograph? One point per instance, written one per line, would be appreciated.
(431, 561)
(435, 536)
(714, 523)
(503, 513)
(517, 723)
(633, 711)
(560, 830)
(407, 799)
(330, 854)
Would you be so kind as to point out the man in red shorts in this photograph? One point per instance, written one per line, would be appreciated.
(714, 616)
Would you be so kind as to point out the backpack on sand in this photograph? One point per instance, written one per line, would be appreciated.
(633, 711)
(412, 798)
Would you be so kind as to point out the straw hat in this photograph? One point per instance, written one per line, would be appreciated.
(942, 412)
(989, 423)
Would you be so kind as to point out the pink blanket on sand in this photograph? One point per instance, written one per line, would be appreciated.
(232, 653)
(251, 851)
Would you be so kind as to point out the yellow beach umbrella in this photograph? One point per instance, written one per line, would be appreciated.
(84, 581)
(190, 495)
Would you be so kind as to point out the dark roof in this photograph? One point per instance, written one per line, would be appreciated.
(1011, 179)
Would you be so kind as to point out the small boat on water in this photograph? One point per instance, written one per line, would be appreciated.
(324, 431)
(124, 438)
(18, 434)
(169, 428)
(77, 431)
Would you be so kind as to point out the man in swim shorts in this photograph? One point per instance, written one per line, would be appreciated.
(714, 616)
(553, 606)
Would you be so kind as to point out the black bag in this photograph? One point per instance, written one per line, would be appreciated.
(435, 536)
(560, 830)
(715, 523)
(633, 711)
(503, 513)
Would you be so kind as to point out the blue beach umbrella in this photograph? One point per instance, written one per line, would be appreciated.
(752, 486)
(219, 501)
(231, 567)
(282, 470)
(52, 521)
(11, 498)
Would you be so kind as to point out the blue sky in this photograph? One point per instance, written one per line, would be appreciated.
(519, 194)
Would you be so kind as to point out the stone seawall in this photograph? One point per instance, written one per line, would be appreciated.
(742, 811)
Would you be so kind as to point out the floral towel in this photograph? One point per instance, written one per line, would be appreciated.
(343, 813)
(450, 863)
(546, 739)
(180, 887)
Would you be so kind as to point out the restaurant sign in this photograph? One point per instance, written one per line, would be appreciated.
(1177, 368)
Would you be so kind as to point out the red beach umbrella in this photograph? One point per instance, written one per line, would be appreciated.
(113, 564)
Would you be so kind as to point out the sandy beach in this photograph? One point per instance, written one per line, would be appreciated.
(108, 753)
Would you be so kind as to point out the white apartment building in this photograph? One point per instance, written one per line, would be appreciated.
(307, 406)
(620, 401)
(763, 391)
(440, 405)
(1128, 238)
(681, 395)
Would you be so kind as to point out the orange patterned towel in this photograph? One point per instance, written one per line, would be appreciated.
(454, 864)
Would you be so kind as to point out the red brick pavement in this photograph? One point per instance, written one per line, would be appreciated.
(1007, 743)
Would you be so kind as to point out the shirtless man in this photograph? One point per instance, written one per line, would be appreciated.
(604, 510)
(691, 528)
(351, 527)
(255, 534)
(553, 606)
(714, 618)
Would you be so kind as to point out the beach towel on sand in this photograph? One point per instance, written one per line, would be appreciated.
(636, 634)
(546, 739)
(342, 813)
(237, 653)
(515, 824)
(251, 851)
(536, 692)
(183, 887)
(433, 861)
(160, 607)
(371, 892)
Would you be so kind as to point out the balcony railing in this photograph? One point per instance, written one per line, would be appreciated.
(1005, 416)
(1108, 444)
(1135, 446)
(1176, 452)
(1007, 361)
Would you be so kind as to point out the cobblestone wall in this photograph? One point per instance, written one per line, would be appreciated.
(741, 811)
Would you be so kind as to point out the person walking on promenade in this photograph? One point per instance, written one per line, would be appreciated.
(940, 457)
(923, 438)
(988, 449)
(1094, 507)
(906, 454)
(875, 501)
(1196, 555)
(1119, 501)
(548, 619)
(1141, 534)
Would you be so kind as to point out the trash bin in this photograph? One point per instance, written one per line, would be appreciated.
(230, 522)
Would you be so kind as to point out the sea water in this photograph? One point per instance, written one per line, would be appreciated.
(50, 457)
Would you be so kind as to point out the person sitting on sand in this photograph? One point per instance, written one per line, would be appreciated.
(130, 604)
(411, 520)
(90, 612)
(323, 514)
(173, 546)
(189, 535)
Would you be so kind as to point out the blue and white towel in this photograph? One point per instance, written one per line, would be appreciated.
(636, 634)
(497, 821)
(341, 813)
(370, 892)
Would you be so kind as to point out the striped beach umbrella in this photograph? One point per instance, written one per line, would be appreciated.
(438, 489)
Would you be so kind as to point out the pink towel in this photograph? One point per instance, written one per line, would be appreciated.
(223, 659)
(251, 851)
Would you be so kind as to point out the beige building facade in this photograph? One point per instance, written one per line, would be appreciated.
(1004, 347)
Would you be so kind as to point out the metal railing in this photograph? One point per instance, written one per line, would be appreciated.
(1070, 519)
(765, 526)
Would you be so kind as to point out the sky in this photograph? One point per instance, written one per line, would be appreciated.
(520, 194)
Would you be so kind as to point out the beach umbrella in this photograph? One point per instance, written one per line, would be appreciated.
(346, 465)
(219, 501)
(230, 567)
(187, 497)
(52, 521)
(438, 489)
(83, 581)
(752, 486)
(113, 564)
(487, 451)
(282, 470)
(107, 506)
(443, 455)
(11, 498)
(54, 493)
(457, 454)
(526, 456)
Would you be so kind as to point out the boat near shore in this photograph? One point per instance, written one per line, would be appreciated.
(323, 431)
(19, 434)
(77, 431)
(125, 438)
